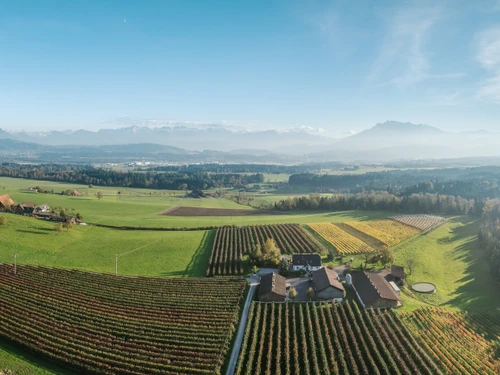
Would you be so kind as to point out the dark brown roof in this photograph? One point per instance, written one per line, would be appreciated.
(272, 282)
(398, 271)
(6, 201)
(28, 204)
(372, 286)
(311, 260)
(325, 277)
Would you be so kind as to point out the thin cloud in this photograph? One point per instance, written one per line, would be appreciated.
(488, 55)
(403, 59)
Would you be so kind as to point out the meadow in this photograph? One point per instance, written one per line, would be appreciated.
(143, 208)
(152, 253)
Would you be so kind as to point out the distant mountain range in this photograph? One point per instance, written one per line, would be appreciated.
(385, 142)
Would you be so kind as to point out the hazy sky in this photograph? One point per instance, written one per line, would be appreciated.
(337, 65)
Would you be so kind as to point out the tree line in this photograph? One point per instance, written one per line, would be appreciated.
(422, 203)
(489, 235)
(470, 183)
(88, 175)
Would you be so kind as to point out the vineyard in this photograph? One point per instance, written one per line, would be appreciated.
(344, 242)
(97, 323)
(389, 232)
(325, 338)
(422, 222)
(230, 243)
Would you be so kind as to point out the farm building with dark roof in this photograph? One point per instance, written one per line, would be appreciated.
(272, 288)
(397, 273)
(327, 285)
(374, 291)
(306, 262)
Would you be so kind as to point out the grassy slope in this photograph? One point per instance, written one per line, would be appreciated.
(24, 363)
(450, 258)
(93, 249)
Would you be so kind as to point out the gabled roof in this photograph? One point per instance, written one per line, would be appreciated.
(5, 200)
(372, 286)
(324, 278)
(398, 271)
(311, 260)
(272, 282)
(28, 204)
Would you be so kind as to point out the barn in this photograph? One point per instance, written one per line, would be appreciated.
(5, 202)
(374, 291)
(327, 285)
(272, 288)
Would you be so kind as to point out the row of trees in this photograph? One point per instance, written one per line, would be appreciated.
(89, 175)
(470, 183)
(489, 235)
(425, 203)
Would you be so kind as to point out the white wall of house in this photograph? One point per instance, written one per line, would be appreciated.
(299, 268)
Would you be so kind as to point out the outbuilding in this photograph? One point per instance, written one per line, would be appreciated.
(272, 288)
(327, 285)
(374, 291)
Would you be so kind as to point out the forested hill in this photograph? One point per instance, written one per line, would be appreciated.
(470, 183)
(89, 175)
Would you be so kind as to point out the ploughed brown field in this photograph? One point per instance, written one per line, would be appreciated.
(198, 211)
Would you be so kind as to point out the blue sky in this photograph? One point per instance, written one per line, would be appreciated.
(338, 65)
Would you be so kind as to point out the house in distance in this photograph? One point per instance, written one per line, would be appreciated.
(374, 291)
(327, 285)
(272, 288)
(306, 262)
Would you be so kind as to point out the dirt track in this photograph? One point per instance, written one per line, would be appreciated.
(197, 211)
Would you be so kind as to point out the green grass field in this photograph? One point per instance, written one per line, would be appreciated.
(450, 258)
(93, 249)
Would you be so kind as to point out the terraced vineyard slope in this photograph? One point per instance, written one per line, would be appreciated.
(325, 338)
(97, 323)
(389, 232)
(344, 242)
(230, 243)
(421, 222)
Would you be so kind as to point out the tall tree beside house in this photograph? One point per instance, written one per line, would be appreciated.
(267, 255)
(62, 213)
(68, 225)
(310, 293)
(292, 294)
(386, 255)
(411, 263)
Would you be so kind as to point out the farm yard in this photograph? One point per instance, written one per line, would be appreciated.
(231, 243)
(102, 323)
(326, 338)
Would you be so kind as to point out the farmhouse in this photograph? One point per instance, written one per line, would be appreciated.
(272, 288)
(306, 262)
(42, 208)
(327, 285)
(5, 202)
(374, 291)
(25, 208)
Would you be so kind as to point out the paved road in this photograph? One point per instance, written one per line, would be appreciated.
(241, 329)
